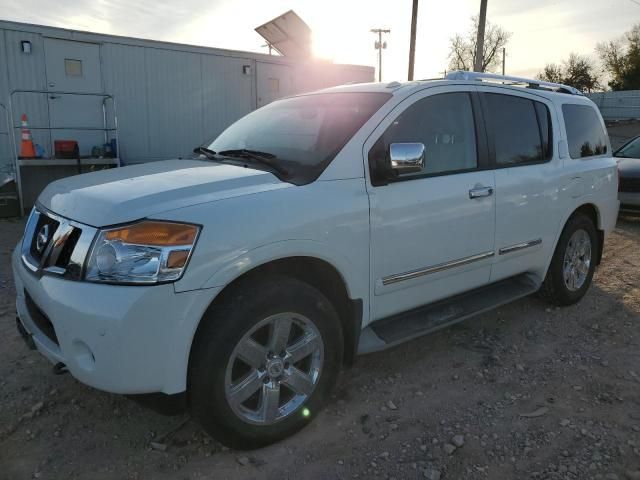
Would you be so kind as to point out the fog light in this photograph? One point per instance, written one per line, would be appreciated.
(83, 355)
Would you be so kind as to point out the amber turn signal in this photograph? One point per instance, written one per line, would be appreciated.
(177, 258)
(160, 234)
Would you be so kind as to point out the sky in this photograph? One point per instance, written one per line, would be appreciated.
(543, 31)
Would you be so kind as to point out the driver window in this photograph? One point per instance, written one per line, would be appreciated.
(444, 124)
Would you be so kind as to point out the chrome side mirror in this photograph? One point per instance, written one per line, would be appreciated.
(406, 157)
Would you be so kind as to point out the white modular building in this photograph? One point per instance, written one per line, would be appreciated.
(126, 100)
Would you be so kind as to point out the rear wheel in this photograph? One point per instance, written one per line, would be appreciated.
(573, 263)
(264, 361)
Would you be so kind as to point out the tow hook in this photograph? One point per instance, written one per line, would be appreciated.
(60, 369)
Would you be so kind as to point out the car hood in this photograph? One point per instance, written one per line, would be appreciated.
(629, 167)
(125, 194)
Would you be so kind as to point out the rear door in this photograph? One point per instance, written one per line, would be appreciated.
(432, 232)
(521, 131)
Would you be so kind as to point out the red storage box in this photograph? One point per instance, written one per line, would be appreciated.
(66, 149)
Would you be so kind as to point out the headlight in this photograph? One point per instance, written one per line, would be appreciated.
(145, 252)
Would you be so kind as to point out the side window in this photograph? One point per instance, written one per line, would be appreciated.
(444, 124)
(585, 134)
(630, 149)
(521, 129)
(546, 132)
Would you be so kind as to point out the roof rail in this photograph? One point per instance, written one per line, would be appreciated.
(508, 80)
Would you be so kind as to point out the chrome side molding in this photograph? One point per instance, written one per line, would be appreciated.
(400, 277)
(520, 246)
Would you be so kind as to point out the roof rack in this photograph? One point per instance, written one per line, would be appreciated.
(508, 80)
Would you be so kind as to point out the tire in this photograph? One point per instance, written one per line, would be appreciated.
(555, 288)
(223, 354)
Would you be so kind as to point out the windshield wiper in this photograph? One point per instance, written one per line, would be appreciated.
(210, 154)
(264, 158)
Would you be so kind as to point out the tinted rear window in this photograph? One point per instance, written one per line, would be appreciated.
(585, 134)
(521, 129)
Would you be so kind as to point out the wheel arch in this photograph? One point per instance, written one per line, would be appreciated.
(317, 272)
(592, 211)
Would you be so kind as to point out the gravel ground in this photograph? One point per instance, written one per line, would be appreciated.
(526, 391)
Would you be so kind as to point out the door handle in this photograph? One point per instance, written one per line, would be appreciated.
(480, 192)
(54, 97)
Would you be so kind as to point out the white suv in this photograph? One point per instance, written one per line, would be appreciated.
(316, 228)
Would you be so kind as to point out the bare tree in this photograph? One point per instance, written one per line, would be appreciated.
(463, 47)
(577, 71)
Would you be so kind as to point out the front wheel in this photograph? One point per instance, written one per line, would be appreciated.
(573, 263)
(264, 361)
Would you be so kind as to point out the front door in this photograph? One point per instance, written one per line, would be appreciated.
(432, 232)
(74, 83)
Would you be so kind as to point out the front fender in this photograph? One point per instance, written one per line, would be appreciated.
(356, 281)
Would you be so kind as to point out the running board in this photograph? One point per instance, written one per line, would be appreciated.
(391, 331)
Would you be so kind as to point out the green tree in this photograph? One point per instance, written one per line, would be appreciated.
(621, 60)
(551, 73)
(577, 71)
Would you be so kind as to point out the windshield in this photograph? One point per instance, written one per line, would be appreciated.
(301, 134)
(630, 150)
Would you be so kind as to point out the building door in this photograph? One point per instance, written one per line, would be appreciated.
(273, 82)
(74, 83)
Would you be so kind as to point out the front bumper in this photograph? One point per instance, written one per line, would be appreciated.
(121, 339)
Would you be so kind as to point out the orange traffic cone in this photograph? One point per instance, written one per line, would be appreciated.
(27, 149)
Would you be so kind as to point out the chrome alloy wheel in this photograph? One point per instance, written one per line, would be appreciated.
(274, 368)
(577, 260)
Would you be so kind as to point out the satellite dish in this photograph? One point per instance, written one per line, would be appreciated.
(288, 34)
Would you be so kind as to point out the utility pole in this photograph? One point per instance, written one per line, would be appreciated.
(480, 41)
(412, 43)
(504, 54)
(379, 45)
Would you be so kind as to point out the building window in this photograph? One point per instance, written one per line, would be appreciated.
(72, 68)
(274, 86)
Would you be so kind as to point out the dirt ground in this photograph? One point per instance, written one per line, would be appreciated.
(622, 131)
(527, 391)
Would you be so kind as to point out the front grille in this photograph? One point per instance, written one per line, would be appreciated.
(631, 185)
(67, 248)
(56, 245)
(40, 319)
(44, 223)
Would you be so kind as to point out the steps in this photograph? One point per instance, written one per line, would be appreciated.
(391, 331)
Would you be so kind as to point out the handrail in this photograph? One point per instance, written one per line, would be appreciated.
(6, 118)
(106, 128)
(509, 80)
